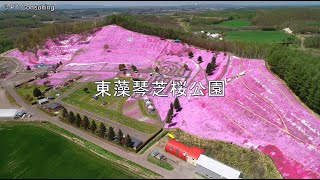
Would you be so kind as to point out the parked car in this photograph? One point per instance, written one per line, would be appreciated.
(163, 157)
(159, 156)
(155, 153)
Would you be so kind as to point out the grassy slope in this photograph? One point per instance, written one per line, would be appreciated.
(28, 151)
(152, 115)
(252, 163)
(113, 109)
(256, 36)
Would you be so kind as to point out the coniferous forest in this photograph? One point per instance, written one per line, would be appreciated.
(301, 72)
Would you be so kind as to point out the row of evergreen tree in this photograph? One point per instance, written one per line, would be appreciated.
(176, 105)
(101, 130)
(300, 70)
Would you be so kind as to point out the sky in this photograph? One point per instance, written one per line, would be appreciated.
(160, 3)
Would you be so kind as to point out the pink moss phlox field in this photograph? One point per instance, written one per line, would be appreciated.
(257, 111)
(254, 100)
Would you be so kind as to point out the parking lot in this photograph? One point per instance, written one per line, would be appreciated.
(178, 164)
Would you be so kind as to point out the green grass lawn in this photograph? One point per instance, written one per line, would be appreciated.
(28, 89)
(160, 163)
(256, 36)
(153, 115)
(235, 23)
(60, 91)
(253, 35)
(112, 109)
(30, 151)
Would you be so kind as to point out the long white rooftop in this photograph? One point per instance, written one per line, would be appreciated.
(218, 167)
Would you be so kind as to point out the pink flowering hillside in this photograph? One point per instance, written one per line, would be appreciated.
(257, 111)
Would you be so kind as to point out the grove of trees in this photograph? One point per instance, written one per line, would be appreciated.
(300, 70)
(169, 114)
(36, 92)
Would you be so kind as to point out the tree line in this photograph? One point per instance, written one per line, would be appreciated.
(300, 20)
(299, 70)
(101, 130)
(34, 39)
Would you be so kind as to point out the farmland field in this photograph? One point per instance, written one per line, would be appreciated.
(235, 23)
(253, 35)
(256, 36)
(30, 151)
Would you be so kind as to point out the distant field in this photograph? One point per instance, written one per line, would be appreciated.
(30, 151)
(235, 23)
(255, 36)
(112, 109)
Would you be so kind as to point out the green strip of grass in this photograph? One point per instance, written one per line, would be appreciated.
(153, 141)
(160, 163)
(153, 115)
(235, 23)
(11, 99)
(256, 36)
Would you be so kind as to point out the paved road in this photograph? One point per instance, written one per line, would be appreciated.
(5, 103)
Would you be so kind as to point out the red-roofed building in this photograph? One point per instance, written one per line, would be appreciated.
(184, 152)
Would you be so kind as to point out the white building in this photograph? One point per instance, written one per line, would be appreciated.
(214, 169)
(11, 113)
(42, 101)
(288, 30)
(148, 102)
(215, 35)
(150, 108)
(145, 98)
